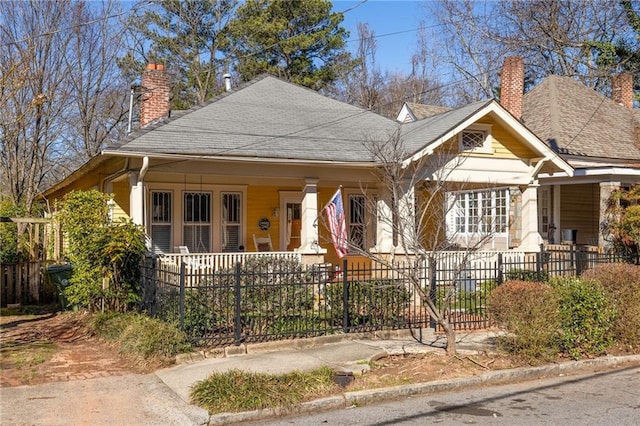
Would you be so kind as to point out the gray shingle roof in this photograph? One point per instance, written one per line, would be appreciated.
(267, 118)
(576, 120)
(421, 133)
(422, 111)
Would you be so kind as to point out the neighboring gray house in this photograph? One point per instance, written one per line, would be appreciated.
(599, 137)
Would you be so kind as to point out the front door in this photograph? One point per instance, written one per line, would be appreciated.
(293, 226)
(546, 227)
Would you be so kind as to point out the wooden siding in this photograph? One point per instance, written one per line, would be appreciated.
(433, 226)
(261, 202)
(92, 180)
(503, 143)
(121, 192)
(579, 210)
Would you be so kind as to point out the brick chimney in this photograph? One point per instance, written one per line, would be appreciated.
(155, 94)
(622, 89)
(512, 85)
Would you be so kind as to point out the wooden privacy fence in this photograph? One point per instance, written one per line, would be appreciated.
(25, 283)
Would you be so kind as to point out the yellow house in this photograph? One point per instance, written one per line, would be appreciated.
(262, 161)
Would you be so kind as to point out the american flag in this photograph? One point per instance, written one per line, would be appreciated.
(337, 224)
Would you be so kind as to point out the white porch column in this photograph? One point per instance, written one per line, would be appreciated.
(309, 229)
(384, 222)
(556, 213)
(531, 238)
(606, 188)
(136, 199)
(407, 237)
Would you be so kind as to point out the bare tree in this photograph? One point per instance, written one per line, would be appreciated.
(417, 197)
(384, 92)
(61, 96)
(467, 49)
(35, 97)
(99, 94)
(554, 36)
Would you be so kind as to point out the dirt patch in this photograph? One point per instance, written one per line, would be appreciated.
(418, 368)
(54, 347)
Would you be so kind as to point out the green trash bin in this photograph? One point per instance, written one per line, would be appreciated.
(59, 276)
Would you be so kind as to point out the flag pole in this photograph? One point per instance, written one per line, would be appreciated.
(329, 202)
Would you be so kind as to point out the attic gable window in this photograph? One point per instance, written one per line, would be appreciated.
(476, 138)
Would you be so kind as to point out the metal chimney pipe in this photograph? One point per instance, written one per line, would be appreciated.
(227, 82)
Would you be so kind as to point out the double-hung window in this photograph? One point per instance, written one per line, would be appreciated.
(161, 221)
(479, 212)
(231, 221)
(197, 222)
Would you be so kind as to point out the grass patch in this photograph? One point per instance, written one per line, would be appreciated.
(241, 390)
(149, 342)
(27, 355)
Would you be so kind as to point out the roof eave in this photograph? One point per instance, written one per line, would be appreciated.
(270, 160)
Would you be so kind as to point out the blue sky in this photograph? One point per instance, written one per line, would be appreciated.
(386, 16)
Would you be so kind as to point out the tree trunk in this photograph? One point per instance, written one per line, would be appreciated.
(451, 336)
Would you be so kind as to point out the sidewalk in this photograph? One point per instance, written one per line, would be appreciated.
(342, 353)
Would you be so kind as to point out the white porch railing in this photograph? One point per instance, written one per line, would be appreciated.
(214, 262)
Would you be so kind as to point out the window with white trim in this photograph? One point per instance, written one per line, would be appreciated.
(357, 222)
(479, 212)
(161, 221)
(231, 221)
(197, 222)
(476, 138)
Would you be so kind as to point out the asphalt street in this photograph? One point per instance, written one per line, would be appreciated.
(601, 398)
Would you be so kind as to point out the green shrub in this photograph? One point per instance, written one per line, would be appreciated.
(140, 337)
(276, 298)
(587, 316)
(470, 302)
(529, 312)
(11, 251)
(371, 302)
(106, 256)
(622, 282)
(526, 275)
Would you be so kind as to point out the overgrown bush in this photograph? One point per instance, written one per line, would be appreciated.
(526, 275)
(147, 341)
(529, 312)
(371, 302)
(622, 282)
(106, 256)
(622, 225)
(11, 251)
(587, 315)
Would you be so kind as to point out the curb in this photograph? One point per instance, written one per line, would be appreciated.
(365, 397)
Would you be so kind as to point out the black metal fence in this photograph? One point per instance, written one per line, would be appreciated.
(278, 299)
(272, 299)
